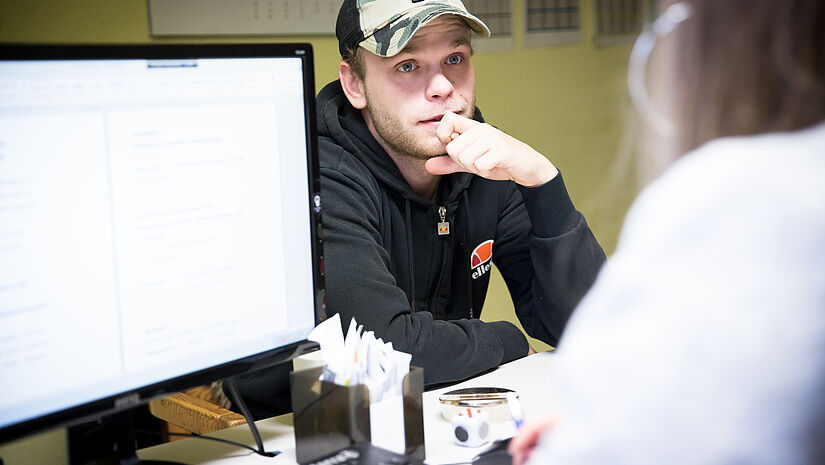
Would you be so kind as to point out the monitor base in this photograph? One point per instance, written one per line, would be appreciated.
(107, 441)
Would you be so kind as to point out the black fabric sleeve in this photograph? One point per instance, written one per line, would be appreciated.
(360, 285)
(547, 255)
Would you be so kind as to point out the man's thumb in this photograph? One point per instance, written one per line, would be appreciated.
(441, 165)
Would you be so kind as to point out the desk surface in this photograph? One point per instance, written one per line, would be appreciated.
(527, 376)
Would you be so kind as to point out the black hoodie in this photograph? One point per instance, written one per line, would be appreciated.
(387, 266)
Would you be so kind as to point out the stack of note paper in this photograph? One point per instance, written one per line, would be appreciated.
(360, 358)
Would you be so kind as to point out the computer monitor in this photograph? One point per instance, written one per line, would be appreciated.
(159, 222)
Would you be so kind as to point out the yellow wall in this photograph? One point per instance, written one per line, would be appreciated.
(567, 102)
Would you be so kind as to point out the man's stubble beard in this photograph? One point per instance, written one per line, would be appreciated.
(402, 139)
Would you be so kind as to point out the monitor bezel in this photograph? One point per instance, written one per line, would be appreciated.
(141, 395)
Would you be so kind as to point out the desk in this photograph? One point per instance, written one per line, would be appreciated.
(528, 376)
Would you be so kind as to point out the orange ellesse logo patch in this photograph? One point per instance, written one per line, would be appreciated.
(480, 258)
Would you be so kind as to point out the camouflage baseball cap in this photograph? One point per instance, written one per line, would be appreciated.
(385, 26)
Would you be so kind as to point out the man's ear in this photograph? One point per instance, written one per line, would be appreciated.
(352, 85)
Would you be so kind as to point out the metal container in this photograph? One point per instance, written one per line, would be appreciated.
(494, 401)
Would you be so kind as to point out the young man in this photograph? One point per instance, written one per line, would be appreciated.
(409, 233)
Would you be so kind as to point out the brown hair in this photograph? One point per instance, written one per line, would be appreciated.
(355, 59)
(743, 67)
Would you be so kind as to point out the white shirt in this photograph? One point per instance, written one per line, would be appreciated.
(703, 339)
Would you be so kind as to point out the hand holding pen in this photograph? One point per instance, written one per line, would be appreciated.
(522, 445)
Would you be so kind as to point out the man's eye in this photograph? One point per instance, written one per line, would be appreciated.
(454, 59)
(406, 67)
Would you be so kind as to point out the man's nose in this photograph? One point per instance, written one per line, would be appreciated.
(439, 86)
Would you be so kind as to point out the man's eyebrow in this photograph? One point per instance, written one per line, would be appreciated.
(461, 41)
(413, 48)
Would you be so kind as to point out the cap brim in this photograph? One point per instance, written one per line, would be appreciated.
(396, 38)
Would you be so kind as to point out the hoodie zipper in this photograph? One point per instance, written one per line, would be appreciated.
(443, 229)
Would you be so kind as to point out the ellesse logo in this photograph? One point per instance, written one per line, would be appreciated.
(480, 258)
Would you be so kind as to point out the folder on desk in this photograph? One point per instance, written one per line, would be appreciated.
(329, 417)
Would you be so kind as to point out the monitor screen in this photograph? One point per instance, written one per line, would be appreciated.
(158, 215)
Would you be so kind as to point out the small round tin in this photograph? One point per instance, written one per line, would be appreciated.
(492, 400)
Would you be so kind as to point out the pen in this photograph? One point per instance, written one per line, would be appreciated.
(515, 410)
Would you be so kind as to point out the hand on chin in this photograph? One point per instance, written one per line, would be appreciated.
(442, 164)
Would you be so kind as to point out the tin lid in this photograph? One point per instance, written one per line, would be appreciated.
(470, 395)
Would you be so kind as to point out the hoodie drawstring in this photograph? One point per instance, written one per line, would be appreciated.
(467, 245)
(410, 255)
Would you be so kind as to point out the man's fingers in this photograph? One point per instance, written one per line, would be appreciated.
(467, 138)
(451, 124)
(445, 129)
(468, 155)
(477, 152)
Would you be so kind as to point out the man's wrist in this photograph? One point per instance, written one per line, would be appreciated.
(513, 342)
(546, 173)
(551, 173)
(550, 197)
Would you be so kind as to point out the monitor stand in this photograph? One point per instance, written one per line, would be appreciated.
(110, 440)
(106, 441)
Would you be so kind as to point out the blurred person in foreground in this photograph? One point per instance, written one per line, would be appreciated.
(703, 339)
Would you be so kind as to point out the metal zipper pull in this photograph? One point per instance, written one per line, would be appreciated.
(443, 225)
